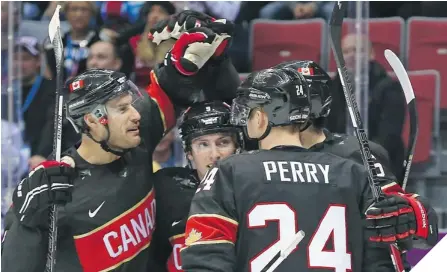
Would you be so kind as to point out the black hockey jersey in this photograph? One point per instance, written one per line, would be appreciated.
(250, 205)
(109, 223)
(175, 188)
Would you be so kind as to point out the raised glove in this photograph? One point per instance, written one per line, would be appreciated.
(397, 218)
(33, 196)
(176, 25)
(195, 47)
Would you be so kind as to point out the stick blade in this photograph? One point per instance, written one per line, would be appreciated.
(401, 74)
(55, 24)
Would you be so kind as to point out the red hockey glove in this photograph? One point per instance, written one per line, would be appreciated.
(195, 47)
(397, 218)
(32, 197)
(177, 24)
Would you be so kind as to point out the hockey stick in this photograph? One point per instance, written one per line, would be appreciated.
(54, 31)
(335, 37)
(284, 252)
(404, 81)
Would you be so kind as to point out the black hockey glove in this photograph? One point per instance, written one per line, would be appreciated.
(32, 197)
(180, 75)
(176, 25)
(195, 47)
(397, 218)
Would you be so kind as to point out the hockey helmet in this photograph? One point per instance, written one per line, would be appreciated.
(205, 118)
(319, 83)
(91, 90)
(282, 93)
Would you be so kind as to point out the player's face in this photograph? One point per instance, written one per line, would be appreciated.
(208, 149)
(123, 122)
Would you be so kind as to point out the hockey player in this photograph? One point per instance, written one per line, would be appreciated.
(250, 205)
(401, 217)
(207, 137)
(104, 186)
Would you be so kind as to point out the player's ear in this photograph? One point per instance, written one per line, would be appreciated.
(189, 156)
(263, 120)
(90, 120)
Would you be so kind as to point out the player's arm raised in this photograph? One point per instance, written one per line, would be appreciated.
(179, 80)
(212, 225)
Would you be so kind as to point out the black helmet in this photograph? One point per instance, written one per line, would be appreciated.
(89, 92)
(319, 82)
(282, 93)
(207, 118)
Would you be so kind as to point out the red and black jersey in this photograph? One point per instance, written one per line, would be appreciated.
(109, 223)
(251, 205)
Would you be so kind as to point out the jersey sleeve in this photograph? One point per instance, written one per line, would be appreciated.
(24, 249)
(212, 226)
(377, 259)
(374, 258)
(160, 114)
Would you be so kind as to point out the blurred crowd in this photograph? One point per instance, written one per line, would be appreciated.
(113, 35)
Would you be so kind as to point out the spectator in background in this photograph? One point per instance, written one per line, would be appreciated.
(147, 54)
(77, 41)
(169, 152)
(386, 109)
(117, 17)
(297, 10)
(104, 55)
(38, 97)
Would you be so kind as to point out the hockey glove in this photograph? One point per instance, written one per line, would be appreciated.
(397, 218)
(32, 197)
(177, 24)
(195, 47)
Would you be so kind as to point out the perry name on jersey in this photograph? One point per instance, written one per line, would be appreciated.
(295, 171)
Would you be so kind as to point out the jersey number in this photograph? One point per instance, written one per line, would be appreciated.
(331, 226)
(208, 180)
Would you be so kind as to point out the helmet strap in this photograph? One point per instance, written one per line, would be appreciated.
(265, 134)
(104, 143)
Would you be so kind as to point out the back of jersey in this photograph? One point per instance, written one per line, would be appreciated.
(279, 192)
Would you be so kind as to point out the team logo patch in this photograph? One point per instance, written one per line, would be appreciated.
(306, 71)
(79, 84)
(193, 237)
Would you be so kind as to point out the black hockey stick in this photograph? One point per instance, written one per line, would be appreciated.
(284, 252)
(405, 82)
(335, 37)
(54, 31)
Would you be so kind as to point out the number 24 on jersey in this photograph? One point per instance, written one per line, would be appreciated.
(331, 226)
